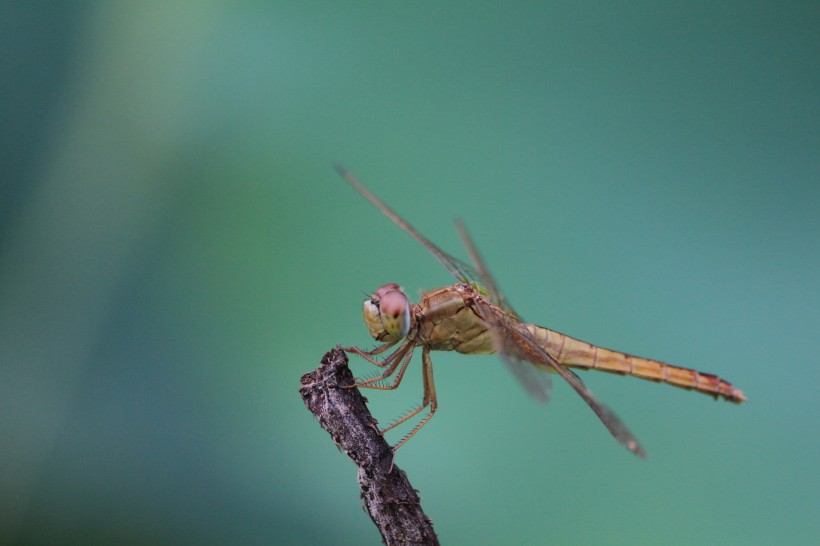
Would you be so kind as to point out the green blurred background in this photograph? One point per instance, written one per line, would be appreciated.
(176, 251)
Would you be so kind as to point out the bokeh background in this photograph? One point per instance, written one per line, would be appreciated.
(176, 251)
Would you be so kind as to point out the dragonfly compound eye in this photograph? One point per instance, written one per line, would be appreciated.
(395, 313)
(387, 313)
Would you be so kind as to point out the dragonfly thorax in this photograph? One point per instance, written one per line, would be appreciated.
(387, 313)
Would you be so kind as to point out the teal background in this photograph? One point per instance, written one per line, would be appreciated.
(176, 251)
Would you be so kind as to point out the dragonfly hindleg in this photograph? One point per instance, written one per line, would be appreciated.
(430, 400)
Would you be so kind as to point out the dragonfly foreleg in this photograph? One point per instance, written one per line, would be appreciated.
(368, 355)
(400, 359)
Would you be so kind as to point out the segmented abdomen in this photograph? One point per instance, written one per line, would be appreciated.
(575, 353)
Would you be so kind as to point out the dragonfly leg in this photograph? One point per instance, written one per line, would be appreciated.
(430, 400)
(400, 359)
(368, 355)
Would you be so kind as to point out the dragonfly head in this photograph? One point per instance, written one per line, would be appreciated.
(387, 313)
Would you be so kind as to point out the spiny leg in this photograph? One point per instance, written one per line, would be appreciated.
(430, 399)
(425, 400)
(400, 359)
(368, 355)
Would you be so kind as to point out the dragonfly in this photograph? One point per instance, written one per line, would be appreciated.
(473, 317)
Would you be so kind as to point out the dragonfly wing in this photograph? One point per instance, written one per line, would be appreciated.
(457, 268)
(534, 380)
(512, 339)
(462, 271)
(486, 280)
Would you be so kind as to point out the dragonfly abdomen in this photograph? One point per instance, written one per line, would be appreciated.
(575, 353)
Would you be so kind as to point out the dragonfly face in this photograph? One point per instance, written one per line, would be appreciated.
(387, 313)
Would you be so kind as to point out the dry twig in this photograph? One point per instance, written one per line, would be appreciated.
(391, 501)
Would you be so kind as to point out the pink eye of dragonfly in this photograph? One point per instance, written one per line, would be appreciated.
(387, 313)
(472, 317)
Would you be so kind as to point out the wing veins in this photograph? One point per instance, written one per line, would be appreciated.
(506, 329)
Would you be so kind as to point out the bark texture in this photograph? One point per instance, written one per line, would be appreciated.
(341, 410)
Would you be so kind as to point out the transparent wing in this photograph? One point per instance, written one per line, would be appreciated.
(482, 273)
(514, 342)
(463, 272)
(458, 269)
(535, 381)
